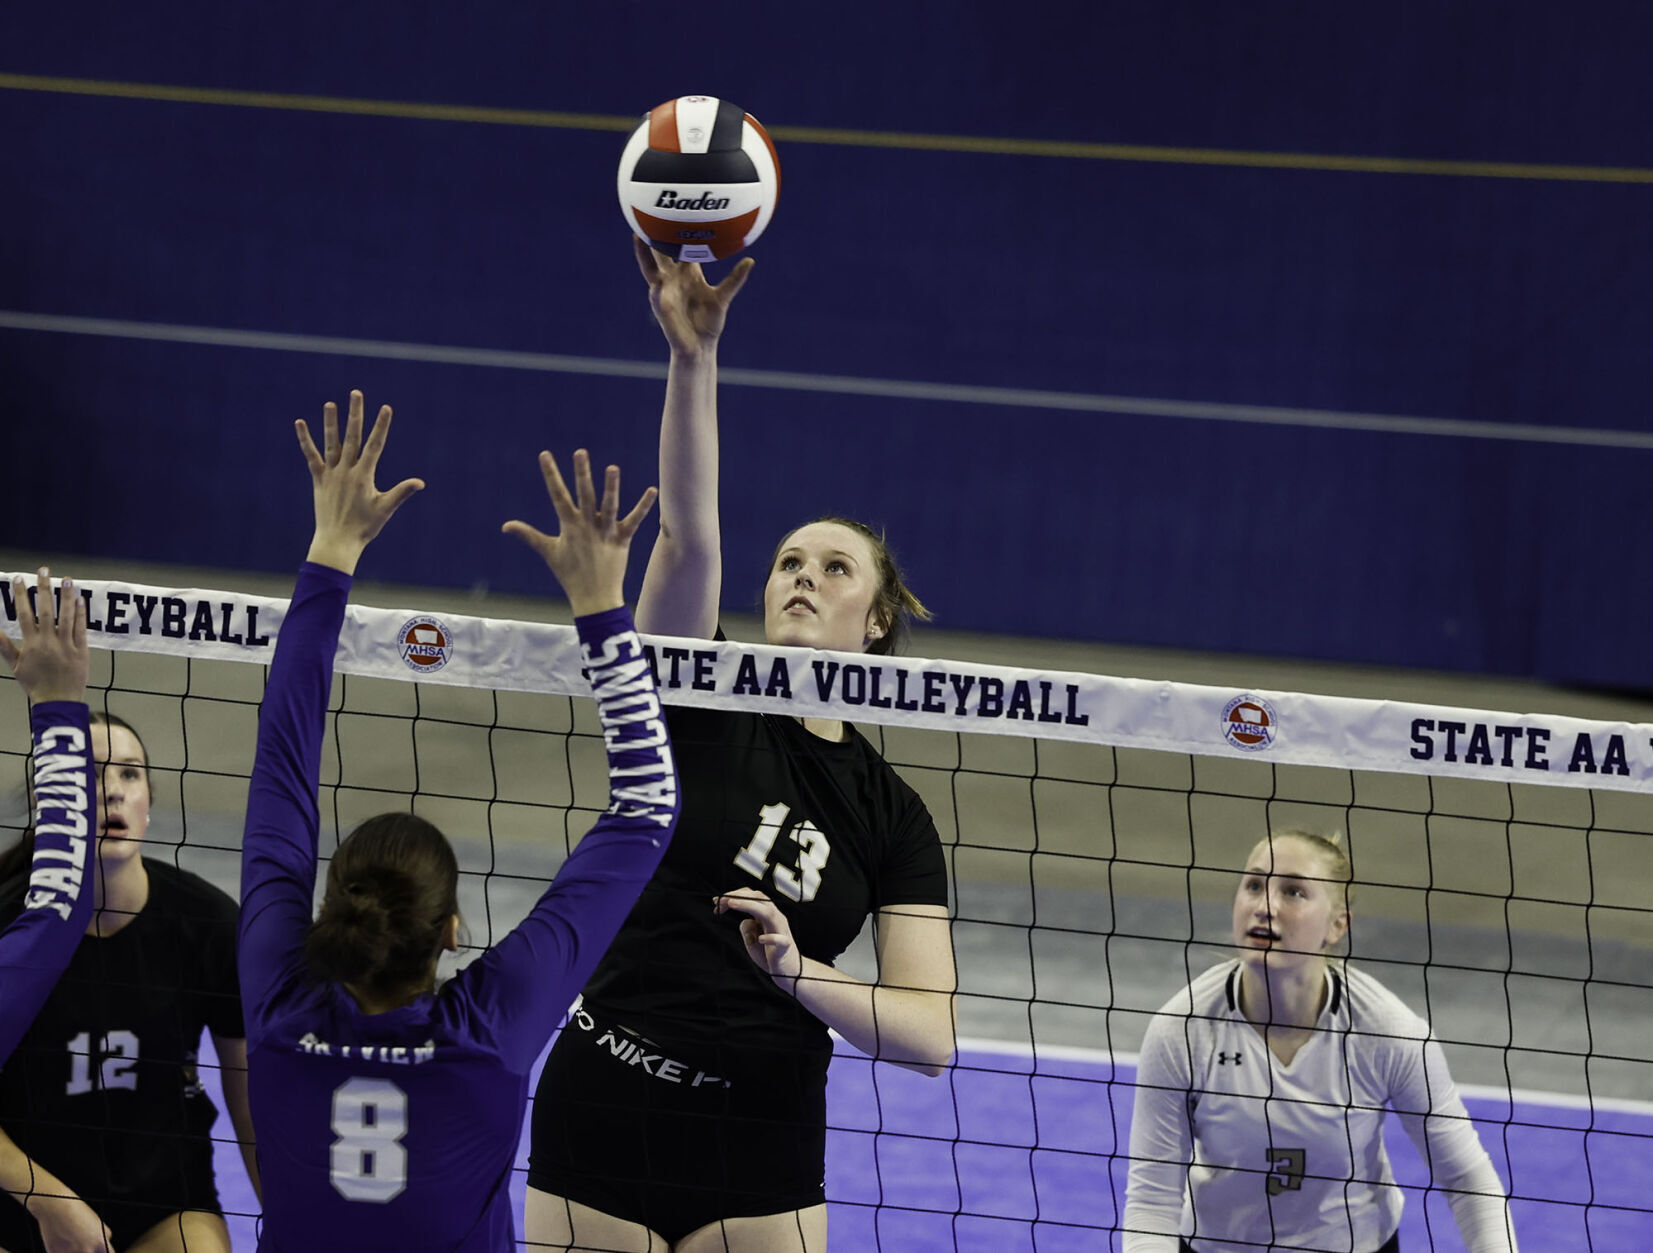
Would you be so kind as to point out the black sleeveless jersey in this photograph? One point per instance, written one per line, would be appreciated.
(103, 1089)
(827, 830)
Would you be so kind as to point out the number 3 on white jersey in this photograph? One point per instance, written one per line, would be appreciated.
(368, 1162)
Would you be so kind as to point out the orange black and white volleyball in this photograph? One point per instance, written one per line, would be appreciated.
(699, 178)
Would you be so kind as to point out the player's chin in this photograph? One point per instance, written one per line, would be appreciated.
(785, 632)
(808, 631)
(114, 846)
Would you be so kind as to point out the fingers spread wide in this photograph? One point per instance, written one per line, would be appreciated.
(530, 535)
(586, 489)
(307, 446)
(70, 606)
(561, 501)
(735, 279)
(610, 505)
(376, 438)
(639, 511)
(25, 609)
(330, 433)
(353, 429)
(648, 260)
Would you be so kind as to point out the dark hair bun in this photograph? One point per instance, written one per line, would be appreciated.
(391, 889)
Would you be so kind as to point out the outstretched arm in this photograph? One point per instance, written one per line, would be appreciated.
(1426, 1098)
(908, 1017)
(685, 572)
(278, 854)
(525, 983)
(50, 666)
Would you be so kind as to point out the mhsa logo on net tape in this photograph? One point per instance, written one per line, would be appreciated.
(425, 644)
(1249, 723)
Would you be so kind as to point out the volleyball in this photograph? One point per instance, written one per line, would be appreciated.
(699, 178)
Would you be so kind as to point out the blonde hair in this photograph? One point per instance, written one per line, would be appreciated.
(1332, 851)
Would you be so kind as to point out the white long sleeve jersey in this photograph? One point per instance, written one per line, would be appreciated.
(1233, 1150)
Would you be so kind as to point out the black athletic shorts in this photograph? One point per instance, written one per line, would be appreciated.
(192, 1187)
(1393, 1246)
(677, 1138)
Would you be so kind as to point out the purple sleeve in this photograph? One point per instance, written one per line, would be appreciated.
(523, 986)
(57, 907)
(278, 852)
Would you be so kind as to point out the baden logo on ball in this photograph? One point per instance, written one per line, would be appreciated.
(699, 178)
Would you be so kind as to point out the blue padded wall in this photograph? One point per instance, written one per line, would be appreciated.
(1515, 302)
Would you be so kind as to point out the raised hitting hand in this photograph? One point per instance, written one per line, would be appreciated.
(350, 509)
(50, 664)
(589, 556)
(689, 309)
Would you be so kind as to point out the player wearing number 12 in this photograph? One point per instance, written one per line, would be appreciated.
(50, 667)
(390, 1110)
(105, 1127)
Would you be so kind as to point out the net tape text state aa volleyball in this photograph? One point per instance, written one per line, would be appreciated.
(699, 178)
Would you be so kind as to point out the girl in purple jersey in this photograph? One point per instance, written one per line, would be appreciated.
(1262, 1088)
(50, 666)
(389, 1109)
(685, 1106)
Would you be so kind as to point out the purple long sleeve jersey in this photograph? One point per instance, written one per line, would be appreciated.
(57, 907)
(398, 1130)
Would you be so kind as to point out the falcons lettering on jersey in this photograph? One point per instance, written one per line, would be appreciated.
(642, 780)
(62, 805)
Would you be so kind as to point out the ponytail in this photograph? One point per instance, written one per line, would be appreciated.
(391, 889)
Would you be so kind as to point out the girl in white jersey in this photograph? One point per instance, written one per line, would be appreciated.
(1262, 1089)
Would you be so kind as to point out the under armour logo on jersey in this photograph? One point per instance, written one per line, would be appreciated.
(1224, 1058)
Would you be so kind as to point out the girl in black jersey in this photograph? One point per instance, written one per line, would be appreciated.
(105, 1129)
(683, 1107)
(48, 665)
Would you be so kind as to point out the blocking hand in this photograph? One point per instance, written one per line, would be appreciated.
(51, 661)
(350, 509)
(589, 555)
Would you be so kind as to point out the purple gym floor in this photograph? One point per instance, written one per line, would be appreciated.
(917, 1164)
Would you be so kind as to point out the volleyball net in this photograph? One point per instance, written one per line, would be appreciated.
(1093, 827)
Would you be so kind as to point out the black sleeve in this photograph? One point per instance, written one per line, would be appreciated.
(914, 868)
(220, 985)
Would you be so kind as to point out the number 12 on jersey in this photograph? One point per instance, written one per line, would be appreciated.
(813, 850)
(117, 1055)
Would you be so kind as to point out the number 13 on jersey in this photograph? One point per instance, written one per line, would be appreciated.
(813, 850)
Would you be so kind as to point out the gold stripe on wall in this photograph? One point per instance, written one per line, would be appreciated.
(1065, 149)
